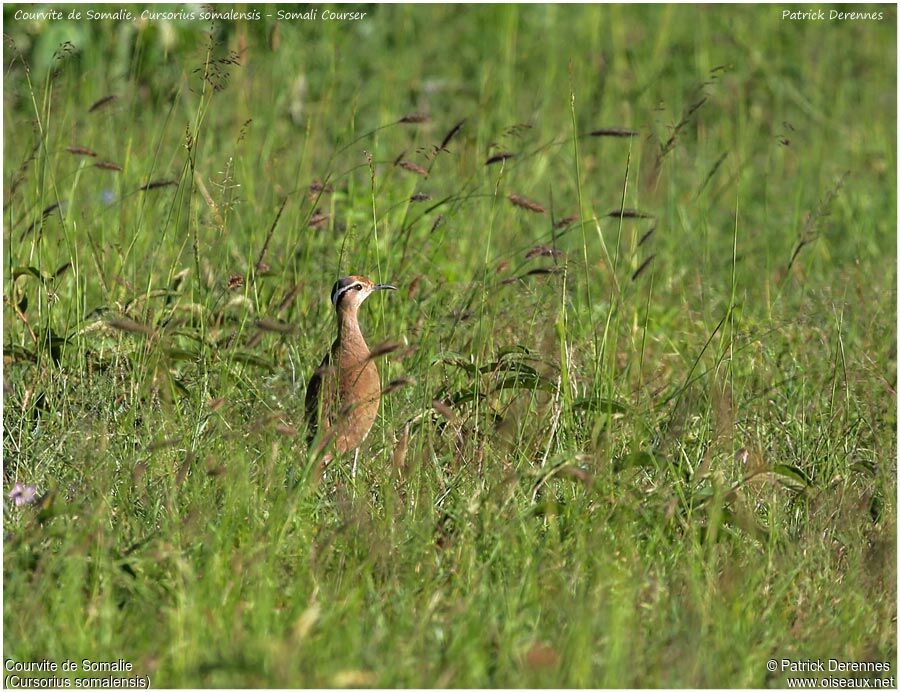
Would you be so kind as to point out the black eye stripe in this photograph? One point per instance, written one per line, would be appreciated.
(339, 292)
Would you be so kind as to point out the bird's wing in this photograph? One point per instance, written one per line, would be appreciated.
(314, 391)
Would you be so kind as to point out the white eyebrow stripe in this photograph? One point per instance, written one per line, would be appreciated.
(335, 299)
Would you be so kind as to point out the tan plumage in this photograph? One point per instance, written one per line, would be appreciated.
(343, 395)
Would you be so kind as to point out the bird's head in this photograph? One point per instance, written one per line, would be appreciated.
(350, 292)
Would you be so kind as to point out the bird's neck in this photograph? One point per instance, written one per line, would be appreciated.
(349, 334)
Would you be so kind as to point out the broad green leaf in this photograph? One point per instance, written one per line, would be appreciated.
(793, 473)
(181, 354)
(30, 271)
(525, 381)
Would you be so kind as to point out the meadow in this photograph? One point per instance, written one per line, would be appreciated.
(638, 423)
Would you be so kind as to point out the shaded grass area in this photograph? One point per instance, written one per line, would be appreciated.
(639, 426)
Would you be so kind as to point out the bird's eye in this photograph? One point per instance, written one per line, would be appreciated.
(357, 287)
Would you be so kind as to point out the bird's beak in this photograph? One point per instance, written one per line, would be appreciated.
(384, 287)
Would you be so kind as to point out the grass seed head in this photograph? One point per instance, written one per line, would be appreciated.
(414, 119)
(413, 168)
(501, 156)
(270, 324)
(81, 151)
(614, 132)
(444, 410)
(398, 455)
(451, 134)
(156, 184)
(97, 105)
(384, 348)
(525, 203)
(629, 214)
(396, 384)
(543, 251)
(564, 222)
(318, 219)
(127, 324)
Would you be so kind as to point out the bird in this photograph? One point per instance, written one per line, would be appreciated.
(344, 393)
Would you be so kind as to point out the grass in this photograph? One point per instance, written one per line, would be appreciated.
(624, 449)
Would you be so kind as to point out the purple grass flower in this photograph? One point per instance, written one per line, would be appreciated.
(23, 494)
